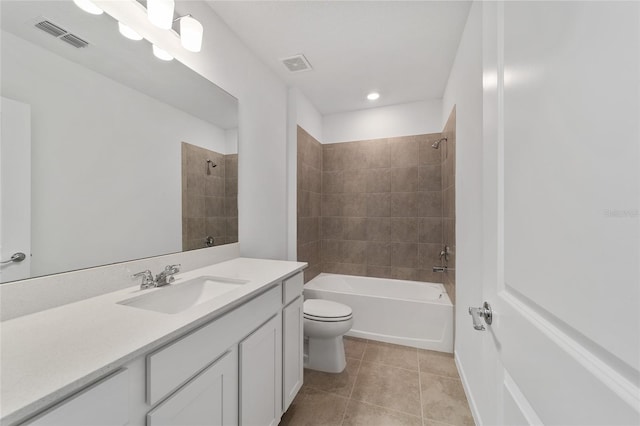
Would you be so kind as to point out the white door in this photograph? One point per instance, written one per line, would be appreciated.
(261, 375)
(561, 226)
(15, 189)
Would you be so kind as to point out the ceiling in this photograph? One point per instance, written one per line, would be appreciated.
(402, 49)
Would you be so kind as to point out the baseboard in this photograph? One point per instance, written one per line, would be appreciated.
(467, 392)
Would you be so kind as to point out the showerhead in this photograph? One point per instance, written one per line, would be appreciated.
(211, 163)
(436, 144)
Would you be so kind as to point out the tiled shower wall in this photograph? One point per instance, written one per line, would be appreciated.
(448, 165)
(209, 197)
(309, 197)
(382, 208)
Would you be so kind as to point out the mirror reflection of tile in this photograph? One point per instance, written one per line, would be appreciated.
(209, 197)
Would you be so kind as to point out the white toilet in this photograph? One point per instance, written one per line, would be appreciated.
(325, 322)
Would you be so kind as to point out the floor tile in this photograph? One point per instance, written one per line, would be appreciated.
(388, 387)
(361, 413)
(440, 363)
(338, 384)
(354, 348)
(317, 408)
(443, 400)
(392, 355)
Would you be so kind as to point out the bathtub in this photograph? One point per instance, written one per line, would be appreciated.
(409, 313)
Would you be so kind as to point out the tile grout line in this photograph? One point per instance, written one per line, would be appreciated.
(344, 415)
(420, 388)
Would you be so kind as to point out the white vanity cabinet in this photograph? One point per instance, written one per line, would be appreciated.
(105, 403)
(293, 340)
(261, 375)
(241, 368)
(211, 398)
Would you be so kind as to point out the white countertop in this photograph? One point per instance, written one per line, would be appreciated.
(50, 354)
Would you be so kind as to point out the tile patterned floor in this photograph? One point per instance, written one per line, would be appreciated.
(383, 385)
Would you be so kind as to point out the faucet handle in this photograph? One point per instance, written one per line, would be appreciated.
(147, 279)
(172, 269)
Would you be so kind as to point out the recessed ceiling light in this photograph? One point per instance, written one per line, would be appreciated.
(373, 96)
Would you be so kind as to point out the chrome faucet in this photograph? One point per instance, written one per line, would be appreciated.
(147, 279)
(167, 276)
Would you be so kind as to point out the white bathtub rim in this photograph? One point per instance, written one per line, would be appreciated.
(446, 300)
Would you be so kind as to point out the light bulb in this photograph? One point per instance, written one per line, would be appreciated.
(161, 54)
(160, 13)
(191, 34)
(373, 96)
(128, 32)
(88, 6)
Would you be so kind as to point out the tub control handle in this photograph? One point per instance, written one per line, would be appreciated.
(483, 312)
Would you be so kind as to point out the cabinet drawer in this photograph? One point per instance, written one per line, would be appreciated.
(105, 403)
(175, 364)
(292, 288)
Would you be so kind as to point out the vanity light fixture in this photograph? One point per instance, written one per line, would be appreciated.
(88, 6)
(191, 33)
(128, 32)
(161, 54)
(160, 13)
(373, 96)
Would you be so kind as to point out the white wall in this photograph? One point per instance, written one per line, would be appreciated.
(464, 91)
(91, 138)
(408, 119)
(262, 96)
(301, 113)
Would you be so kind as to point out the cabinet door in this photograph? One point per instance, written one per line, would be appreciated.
(261, 375)
(105, 403)
(211, 398)
(292, 351)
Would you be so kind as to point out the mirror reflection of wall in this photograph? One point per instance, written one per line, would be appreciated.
(106, 136)
(209, 197)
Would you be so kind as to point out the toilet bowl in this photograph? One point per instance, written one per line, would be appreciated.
(325, 322)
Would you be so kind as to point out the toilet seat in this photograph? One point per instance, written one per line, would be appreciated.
(326, 311)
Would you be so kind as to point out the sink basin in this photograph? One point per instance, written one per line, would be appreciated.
(181, 296)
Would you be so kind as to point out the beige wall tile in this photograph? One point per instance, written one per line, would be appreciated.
(403, 151)
(378, 180)
(379, 229)
(355, 228)
(430, 230)
(405, 230)
(378, 271)
(430, 204)
(355, 181)
(430, 178)
(404, 179)
(379, 205)
(378, 253)
(404, 204)
(404, 255)
(355, 205)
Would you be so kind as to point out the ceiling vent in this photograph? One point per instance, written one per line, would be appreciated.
(74, 40)
(51, 28)
(297, 63)
(57, 31)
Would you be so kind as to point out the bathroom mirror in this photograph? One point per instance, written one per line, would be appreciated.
(116, 141)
